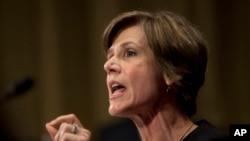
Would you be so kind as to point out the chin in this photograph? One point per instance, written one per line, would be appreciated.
(113, 111)
(117, 112)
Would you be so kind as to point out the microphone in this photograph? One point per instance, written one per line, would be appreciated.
(18, 88)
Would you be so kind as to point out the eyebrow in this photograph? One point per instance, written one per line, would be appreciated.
(109, 51)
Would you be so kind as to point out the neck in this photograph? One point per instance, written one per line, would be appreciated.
(167, 124)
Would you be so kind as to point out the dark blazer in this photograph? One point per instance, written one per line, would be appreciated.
(122, 131)
(206, 132)
(126, 131)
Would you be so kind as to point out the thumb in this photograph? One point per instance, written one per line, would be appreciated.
(51, 130)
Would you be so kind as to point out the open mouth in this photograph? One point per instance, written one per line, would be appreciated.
(117, 87)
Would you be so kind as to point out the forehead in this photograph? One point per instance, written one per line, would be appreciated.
(132, 35)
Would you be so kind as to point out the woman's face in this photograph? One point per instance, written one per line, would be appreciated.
(133, 79)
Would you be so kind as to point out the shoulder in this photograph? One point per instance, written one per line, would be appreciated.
(206, 132)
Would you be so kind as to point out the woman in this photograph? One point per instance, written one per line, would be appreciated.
(156, 64)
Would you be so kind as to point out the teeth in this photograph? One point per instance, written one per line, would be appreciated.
(115, 85)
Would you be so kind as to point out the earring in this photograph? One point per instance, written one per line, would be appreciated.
(168, 89)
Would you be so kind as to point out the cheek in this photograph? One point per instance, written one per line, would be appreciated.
(143, 84)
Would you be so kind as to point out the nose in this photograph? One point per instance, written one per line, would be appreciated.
(112, 66)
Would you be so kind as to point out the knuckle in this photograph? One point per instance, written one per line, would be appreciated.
(72, 115)
(87, 133)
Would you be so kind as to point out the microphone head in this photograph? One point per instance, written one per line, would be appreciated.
(19, 87)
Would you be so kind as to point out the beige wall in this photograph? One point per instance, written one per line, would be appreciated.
(58, 43)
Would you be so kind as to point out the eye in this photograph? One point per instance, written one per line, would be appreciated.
(130, 53)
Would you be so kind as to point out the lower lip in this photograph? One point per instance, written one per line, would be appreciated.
(117, 94)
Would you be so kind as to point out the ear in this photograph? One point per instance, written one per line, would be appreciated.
(169, 80)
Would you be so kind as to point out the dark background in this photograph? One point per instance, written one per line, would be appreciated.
(58, 43)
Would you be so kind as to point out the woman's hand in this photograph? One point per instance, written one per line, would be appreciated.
(67, 128)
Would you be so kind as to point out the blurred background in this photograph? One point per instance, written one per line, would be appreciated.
(57, 43)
